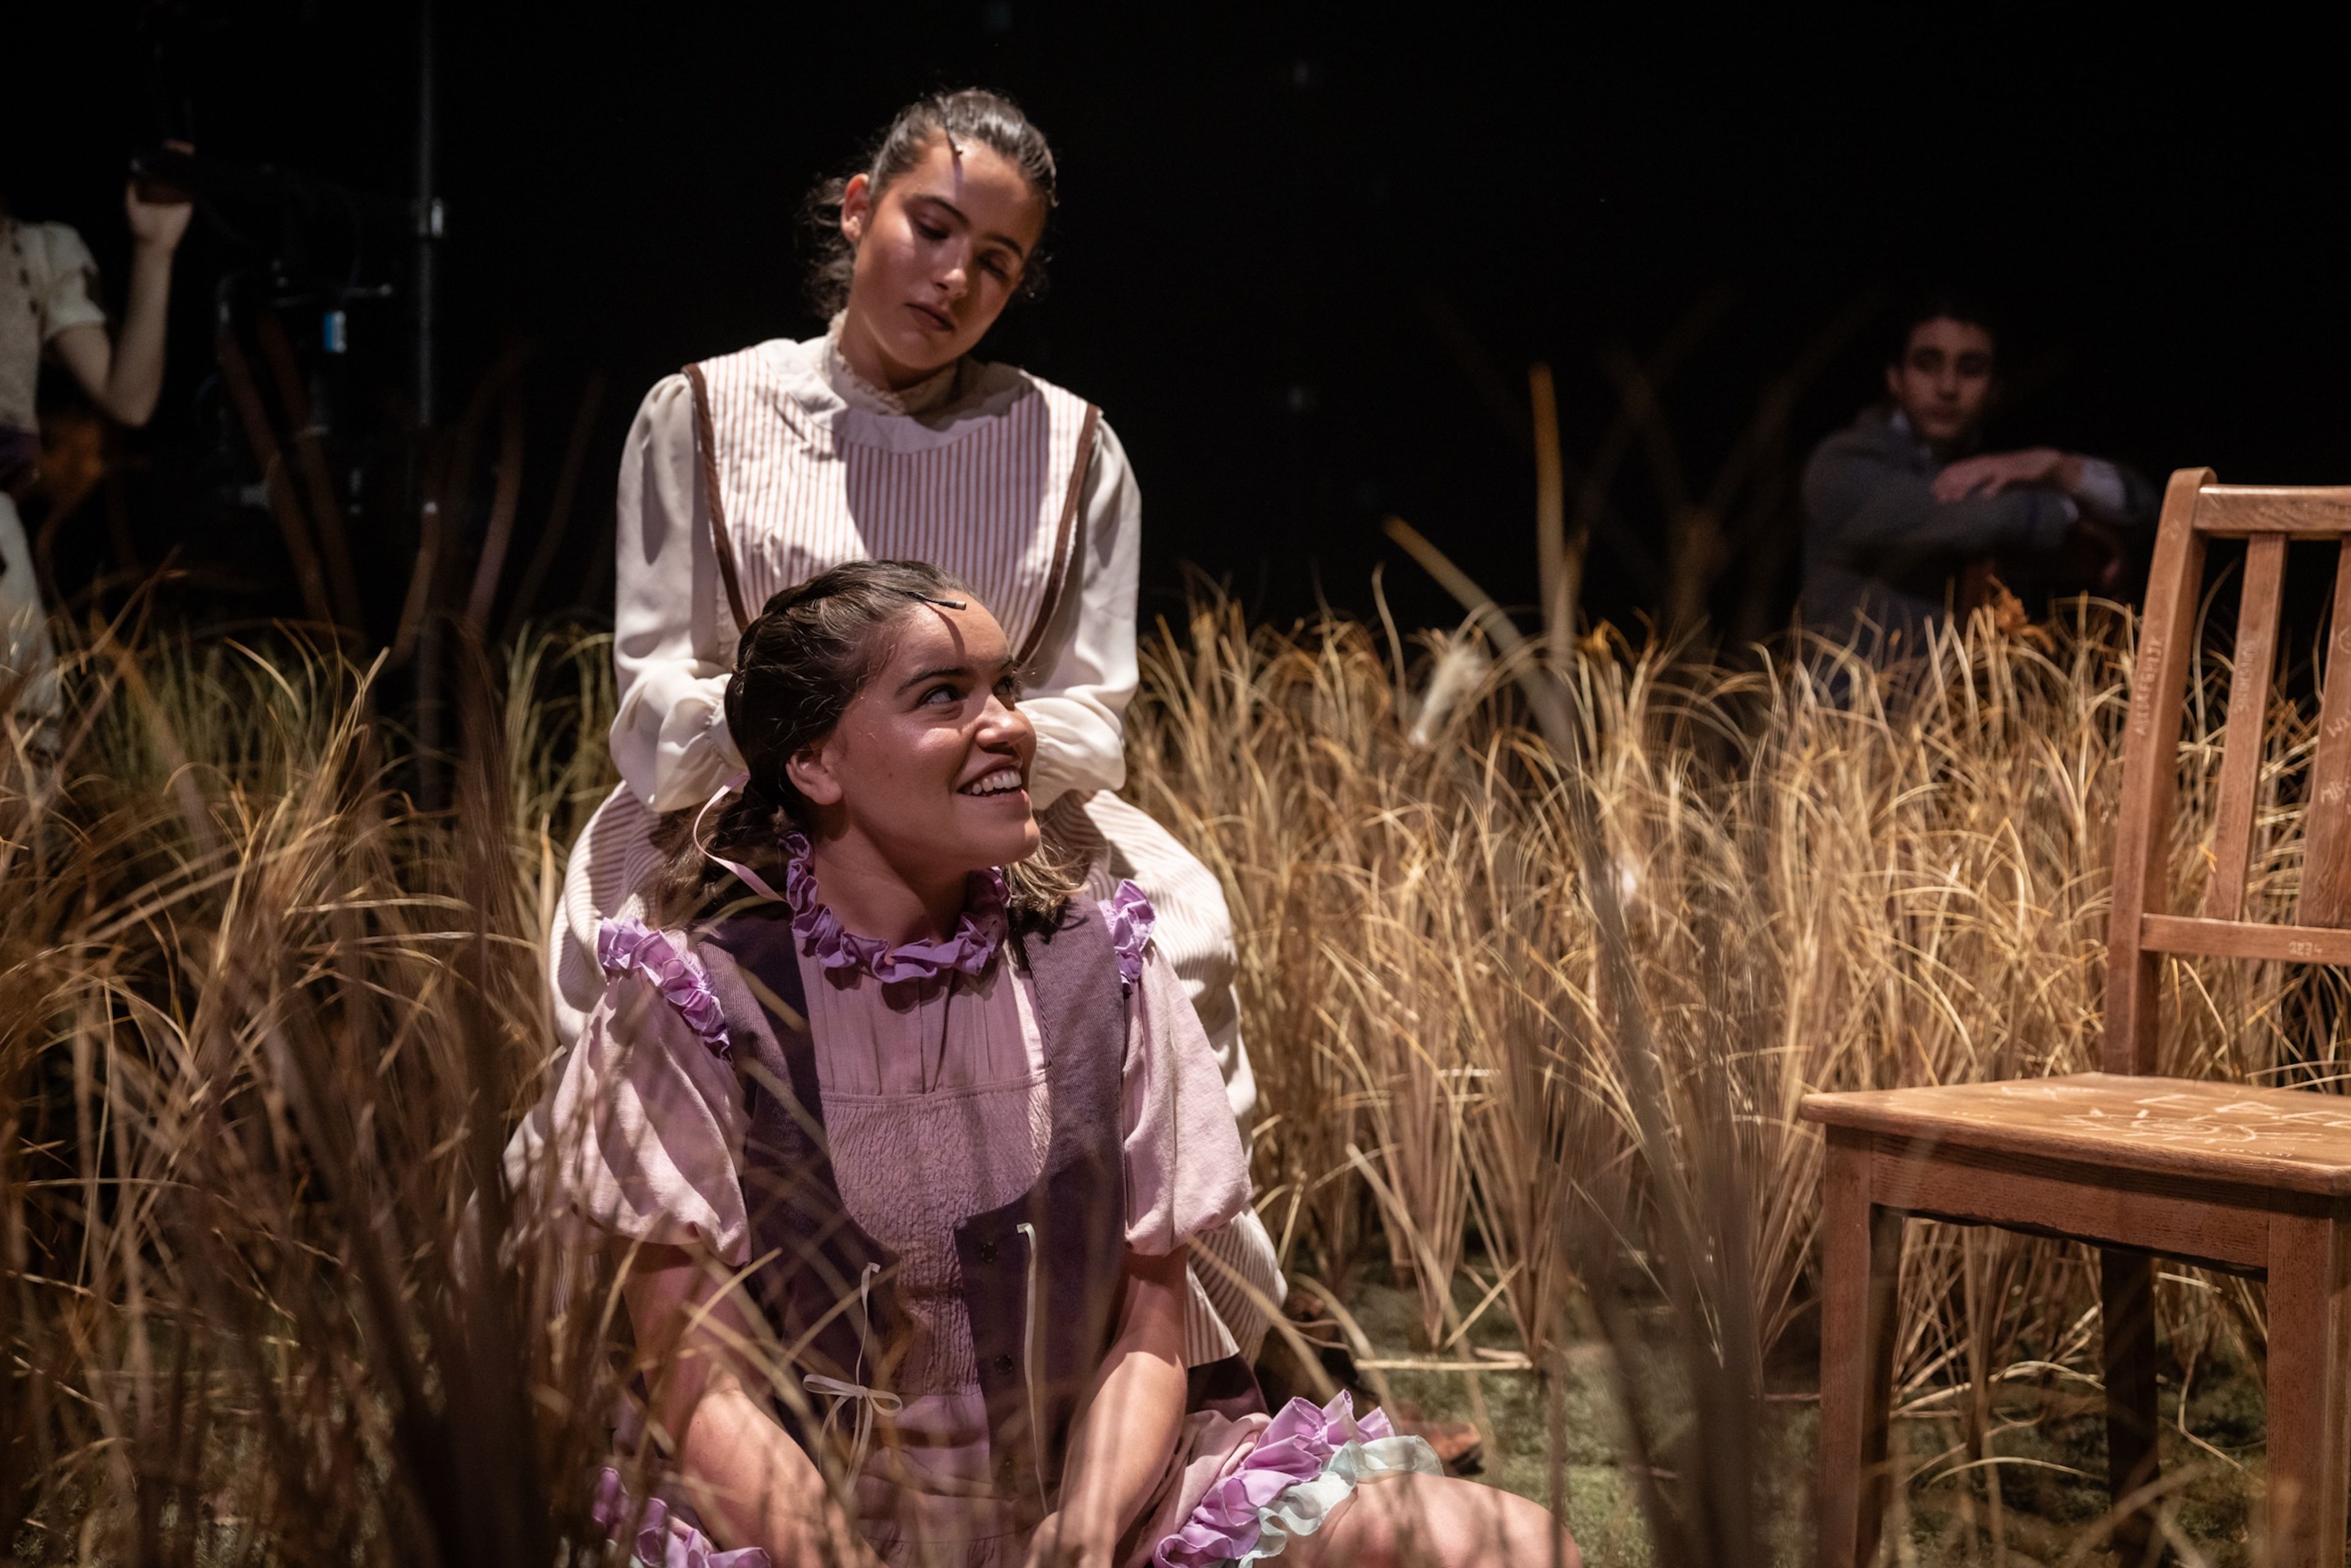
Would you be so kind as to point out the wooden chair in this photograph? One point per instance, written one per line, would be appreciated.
(2253, 1181)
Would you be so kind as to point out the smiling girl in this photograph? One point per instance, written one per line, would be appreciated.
(884, 438)
(908, 1142)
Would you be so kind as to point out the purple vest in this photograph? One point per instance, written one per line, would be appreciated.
(817, 1255)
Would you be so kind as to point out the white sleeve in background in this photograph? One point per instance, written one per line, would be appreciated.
(669, 736)
(2101, 491)
(1078, 704)
(65, 292)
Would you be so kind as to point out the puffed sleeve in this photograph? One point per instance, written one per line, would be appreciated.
(1187, 1171)
(1078, 703)
(640, 1136)
(67, 290)
(669, 639)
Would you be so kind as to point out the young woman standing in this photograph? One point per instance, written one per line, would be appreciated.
(884, 438)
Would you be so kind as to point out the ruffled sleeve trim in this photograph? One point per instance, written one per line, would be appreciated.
(1306, 1464)
(1132, 920)
(629, 944)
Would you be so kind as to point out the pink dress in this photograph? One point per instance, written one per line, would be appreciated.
(935, 1110)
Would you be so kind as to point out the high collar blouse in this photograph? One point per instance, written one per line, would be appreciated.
(672, 649)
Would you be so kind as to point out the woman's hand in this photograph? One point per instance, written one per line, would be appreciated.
(1057, 1544)
(158, 220)
(752, 1484)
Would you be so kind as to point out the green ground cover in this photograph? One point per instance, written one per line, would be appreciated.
(2039, 1503)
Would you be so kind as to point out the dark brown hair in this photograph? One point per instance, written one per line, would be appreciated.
(1941, 304)
(972, 115)
(797, 668)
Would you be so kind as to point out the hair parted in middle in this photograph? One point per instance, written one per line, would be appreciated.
(797, 666)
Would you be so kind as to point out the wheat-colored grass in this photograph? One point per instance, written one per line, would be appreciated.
(1831, 877)
(264, 1026)
(262, 1029)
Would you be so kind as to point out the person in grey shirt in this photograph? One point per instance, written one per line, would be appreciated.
(1899, 504)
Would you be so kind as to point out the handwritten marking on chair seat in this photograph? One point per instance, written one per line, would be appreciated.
(2221, 1118)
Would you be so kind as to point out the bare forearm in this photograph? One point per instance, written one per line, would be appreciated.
(750, 1482)
(1123, 1439)
(1123, 1444)
(755, 1487)
(135, 380)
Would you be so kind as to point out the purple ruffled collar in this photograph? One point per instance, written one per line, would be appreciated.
(977, 934)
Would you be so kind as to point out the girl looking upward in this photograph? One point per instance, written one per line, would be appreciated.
(907, 1143)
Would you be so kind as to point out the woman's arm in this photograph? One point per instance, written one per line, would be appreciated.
(1120, 1441)
(752, 1485)
(1079, 702)
(125, 379)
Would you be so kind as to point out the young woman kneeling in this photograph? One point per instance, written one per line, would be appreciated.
(908, 1142)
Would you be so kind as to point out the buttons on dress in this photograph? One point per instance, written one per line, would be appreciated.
(1004, 1363)
(988, 1252)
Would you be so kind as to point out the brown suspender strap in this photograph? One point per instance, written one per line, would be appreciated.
(722, 546)
(1059, 579)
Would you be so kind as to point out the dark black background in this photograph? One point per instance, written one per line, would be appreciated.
(1265, 209)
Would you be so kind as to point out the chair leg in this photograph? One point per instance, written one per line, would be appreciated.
(1861, 1257)
(2309, 1436)
(2126, 1301)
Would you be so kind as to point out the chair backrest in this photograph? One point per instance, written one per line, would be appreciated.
(2144, 928)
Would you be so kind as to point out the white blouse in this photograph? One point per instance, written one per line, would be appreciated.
(48, 283)
(670, 643)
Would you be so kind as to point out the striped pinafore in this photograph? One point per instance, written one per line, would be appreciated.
(791, 497)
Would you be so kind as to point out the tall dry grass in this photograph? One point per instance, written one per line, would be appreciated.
(264, 1026)
(1829, 876)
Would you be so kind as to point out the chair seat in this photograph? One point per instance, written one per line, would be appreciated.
(2296, 1139)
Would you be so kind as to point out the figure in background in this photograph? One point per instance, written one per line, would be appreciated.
(48, 301)
(885, 438)
(904, 1141)
(1903, 516)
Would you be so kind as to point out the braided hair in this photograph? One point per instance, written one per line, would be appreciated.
(797, 666)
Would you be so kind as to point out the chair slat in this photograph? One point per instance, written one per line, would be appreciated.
(2249, 703)
(2326, 834)
(2237, 512)
(2240, 939)
(2150, 775)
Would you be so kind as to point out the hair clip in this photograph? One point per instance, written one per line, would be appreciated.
(942, 603)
